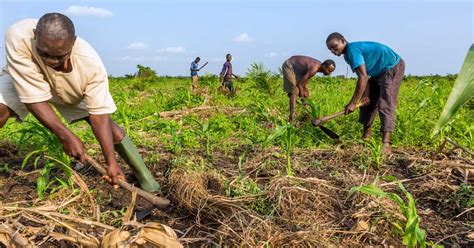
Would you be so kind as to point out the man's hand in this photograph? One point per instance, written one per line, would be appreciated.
(349, 108)
(74, 147)
(114, 173)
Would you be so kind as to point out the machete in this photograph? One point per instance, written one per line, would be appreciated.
(319, 122)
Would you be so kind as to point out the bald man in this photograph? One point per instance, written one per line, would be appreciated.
(48, 65)
(297, 70)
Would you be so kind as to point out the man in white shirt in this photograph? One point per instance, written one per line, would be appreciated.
(48, 65)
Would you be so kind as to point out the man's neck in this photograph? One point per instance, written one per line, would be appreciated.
(66, 67)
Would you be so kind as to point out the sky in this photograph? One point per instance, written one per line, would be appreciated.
(431, 36)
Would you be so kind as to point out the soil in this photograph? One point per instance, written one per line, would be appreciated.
(434, 188)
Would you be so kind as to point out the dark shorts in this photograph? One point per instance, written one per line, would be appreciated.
(382, 91)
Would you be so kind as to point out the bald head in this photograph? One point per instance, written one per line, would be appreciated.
(54, 35)
(55, 26)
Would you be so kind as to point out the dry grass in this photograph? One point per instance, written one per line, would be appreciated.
(310, 209)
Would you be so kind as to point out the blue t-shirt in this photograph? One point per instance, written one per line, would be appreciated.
(194, 66)
(377, 57)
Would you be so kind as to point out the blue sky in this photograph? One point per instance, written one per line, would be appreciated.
(431, 36)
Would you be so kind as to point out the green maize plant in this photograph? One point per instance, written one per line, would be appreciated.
(204, 133)
(314, 109)
(376, 156)
(48, 152)
(462, 91)
(285, 133)
(412, 234)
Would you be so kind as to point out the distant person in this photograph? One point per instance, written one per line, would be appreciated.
(47, 64)
(226, 75)
(386, 70)
(297, 70)
(194, 73)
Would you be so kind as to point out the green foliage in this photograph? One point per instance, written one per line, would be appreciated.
(204, 133)
(285, 133)
(462, 91)
(411, 232)
(314, 109)
(146, 73)
(376, 156)
(464, 196)
(48, 152)
(264, 80)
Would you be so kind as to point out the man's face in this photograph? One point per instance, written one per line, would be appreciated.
(336, 46)
(197, 60)
(229, 57)
(327, 70)
(54, 53)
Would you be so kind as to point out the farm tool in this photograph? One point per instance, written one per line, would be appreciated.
(158, 202)
(319, 122)
(203, 65)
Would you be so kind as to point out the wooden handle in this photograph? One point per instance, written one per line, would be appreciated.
(159, 202)
(320, 121)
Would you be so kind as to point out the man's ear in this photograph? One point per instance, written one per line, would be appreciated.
(74, 40)
(34, 34)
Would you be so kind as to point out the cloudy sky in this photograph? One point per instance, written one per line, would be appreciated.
(431, 36)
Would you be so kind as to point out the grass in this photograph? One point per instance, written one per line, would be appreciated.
(198, 142)
(420, 102)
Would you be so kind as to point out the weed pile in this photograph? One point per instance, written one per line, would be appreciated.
(313, 208)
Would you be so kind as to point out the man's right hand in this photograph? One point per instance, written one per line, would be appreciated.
(114, 174)
(74, 147)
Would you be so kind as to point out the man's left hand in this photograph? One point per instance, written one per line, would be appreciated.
(349, 108)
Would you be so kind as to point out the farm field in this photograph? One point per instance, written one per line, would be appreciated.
(238, 175)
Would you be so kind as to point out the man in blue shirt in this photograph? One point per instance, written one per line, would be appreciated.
(385, 69)
(194, 73)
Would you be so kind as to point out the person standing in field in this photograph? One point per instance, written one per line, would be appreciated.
(47, 64)
(226, 75)
(380, 72)
(297, 70)
(194, 74)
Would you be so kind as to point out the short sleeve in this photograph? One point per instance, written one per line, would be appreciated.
(28, 80)
(97, 95)
(355, 58)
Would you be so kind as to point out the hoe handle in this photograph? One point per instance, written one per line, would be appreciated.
(159, 202)
(321, 120)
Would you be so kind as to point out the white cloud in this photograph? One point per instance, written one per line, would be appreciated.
(271, 54)
(136, 45)
(88, 11)
(243, 37)
(176, 49)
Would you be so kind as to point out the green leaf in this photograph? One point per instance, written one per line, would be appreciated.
(279, 131)
(352, 191)
(411, 224)
(421, 237)
(462, 91)
(389, 178)
(372, 190)
(27, 158)
(41, 186)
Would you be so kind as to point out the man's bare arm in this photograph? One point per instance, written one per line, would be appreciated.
(72, 145)
(102, 128)
(360, 88)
